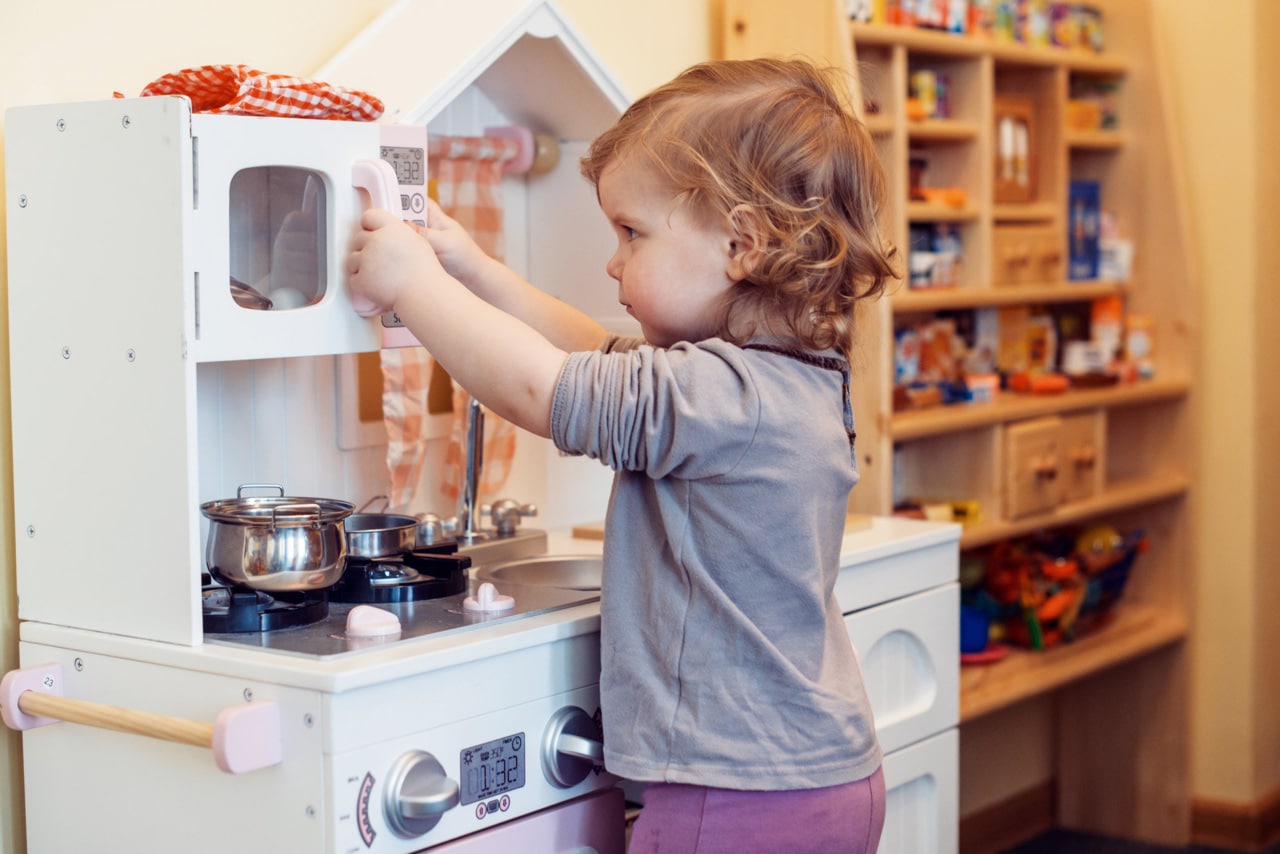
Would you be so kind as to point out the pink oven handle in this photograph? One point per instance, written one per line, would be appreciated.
(243, 738)
(378, 179)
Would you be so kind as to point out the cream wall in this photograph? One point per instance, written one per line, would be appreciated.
(1227, 129)
(121, 46)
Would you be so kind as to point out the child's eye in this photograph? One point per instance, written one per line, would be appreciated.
(628, 232)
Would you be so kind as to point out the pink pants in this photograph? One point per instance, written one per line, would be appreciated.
(679, 819)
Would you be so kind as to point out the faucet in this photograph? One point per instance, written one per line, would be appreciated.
(505, 512)
(473, 449)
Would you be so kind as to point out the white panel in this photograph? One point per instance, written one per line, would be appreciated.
(921, 812)
(910, 655)
(103, 396)
(145, 795)
(443, 48)
(875, 579)
(570, 241)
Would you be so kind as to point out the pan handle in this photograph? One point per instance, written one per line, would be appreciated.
(243, 738)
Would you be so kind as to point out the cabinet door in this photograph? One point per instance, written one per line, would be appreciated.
(1032, 466)
(922, 799)
(910, 654)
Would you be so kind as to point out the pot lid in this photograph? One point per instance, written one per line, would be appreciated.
(277, 509)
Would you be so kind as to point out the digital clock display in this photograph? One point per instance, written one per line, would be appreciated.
(408, 163)
(492, 768)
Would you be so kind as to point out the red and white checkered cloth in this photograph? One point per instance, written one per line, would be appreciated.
(468, 178)
(245, 91)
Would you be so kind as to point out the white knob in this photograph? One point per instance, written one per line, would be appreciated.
(366, 621)
(488, 600)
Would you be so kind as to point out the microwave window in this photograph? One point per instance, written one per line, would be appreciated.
(278, 236)
(407, 162)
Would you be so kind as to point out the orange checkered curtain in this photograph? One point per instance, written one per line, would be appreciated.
(468, 178)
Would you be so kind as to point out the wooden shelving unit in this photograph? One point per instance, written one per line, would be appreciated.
(1132, 673)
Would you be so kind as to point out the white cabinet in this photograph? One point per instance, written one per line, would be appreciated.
(900, 593)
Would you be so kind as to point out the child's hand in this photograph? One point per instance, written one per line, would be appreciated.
(386, 259)
(458, 252)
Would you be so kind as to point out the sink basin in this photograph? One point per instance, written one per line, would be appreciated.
(573, 572)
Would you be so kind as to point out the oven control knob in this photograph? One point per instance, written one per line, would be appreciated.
(571, 746)
(418, 793)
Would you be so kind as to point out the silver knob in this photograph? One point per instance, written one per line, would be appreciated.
(571, 747)
(506, 514)
(418, 793)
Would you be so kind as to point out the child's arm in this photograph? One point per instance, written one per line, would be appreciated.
(504, 362)
(498, 284)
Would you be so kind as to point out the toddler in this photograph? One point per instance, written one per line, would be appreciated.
(744, 198)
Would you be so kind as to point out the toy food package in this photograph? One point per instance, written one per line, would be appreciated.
(940, 354)
(1106, 324)
(906, 357)
(1139, 344)
(1084, 207)
(984, 349)
(1042, 343)
(1013, 355)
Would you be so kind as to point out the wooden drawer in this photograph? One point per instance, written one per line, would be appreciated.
(1083, 442)
(1032, 466)
(1026, 254)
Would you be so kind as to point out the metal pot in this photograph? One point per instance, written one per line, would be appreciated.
(380, 534)
(274, 543)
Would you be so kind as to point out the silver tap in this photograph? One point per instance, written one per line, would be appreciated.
(468, 529)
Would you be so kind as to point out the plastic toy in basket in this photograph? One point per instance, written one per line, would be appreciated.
(1050, 590)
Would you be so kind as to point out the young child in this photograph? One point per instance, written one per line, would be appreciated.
(744, 198)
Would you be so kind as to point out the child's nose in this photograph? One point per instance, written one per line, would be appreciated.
(614, 267)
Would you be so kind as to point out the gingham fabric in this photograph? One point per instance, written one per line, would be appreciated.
(245, 91)
(468, 177)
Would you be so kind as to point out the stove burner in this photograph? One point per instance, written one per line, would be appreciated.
(409, 577)
(239, 609)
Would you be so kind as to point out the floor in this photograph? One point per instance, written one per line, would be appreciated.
(1074, 842)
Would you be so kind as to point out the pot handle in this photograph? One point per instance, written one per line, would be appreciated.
(304, 505)
(243, 738)
(244, 486)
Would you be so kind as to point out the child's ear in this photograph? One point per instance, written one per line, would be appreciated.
(747, 242)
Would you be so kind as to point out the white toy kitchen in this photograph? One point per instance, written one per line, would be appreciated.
(156, 382)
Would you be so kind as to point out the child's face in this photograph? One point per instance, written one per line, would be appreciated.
(672, 265)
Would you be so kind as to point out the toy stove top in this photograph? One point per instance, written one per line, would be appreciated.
(329, 635)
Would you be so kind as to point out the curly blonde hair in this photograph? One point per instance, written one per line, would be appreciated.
(777, 138)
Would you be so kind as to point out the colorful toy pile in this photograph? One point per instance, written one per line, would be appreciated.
(1049, 589)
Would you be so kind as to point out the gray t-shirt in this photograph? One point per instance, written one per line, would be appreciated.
(725, 660)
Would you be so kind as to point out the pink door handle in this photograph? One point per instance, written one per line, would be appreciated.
(378, 179)
(243, 738)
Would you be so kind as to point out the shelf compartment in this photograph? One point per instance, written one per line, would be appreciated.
(957, 45)
(1116, 497)
(1135, 631)
(950, 299)
(1013, 407)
